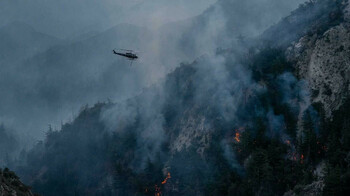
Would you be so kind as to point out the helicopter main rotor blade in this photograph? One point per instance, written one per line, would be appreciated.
(126, 50)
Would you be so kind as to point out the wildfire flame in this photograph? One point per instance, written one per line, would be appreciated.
(158, 191)
(237, 137)
(166, 178)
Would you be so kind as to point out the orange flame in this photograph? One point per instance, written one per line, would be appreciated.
(166, 178)
(237, 137)
(238, 132)
(158, 191)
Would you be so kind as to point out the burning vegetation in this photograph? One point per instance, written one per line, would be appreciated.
(237, 137)
(158, 189)
(166, 178)
(238, 133)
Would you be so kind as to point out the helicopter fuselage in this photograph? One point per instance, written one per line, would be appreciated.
(129, 55)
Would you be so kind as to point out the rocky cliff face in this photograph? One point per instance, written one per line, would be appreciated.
(324, 61)
(10, 185)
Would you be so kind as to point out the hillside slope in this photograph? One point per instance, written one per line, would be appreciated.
(244, 121)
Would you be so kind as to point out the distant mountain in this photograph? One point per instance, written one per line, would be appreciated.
(96, 15)
(20, 41)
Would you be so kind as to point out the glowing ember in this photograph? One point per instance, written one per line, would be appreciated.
(166, 178)
(302, 159)
(238, 132)
(237, 137)
(157, 190)
(288, 142)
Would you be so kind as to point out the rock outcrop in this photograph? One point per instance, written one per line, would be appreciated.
(324, 61)
(10, 185)
(314, 189)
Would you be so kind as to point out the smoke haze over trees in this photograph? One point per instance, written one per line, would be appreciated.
(53, 65)
(214, 106)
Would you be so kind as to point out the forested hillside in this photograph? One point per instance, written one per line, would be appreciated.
(247, 120)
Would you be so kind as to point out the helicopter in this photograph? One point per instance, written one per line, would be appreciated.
(130, 54)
